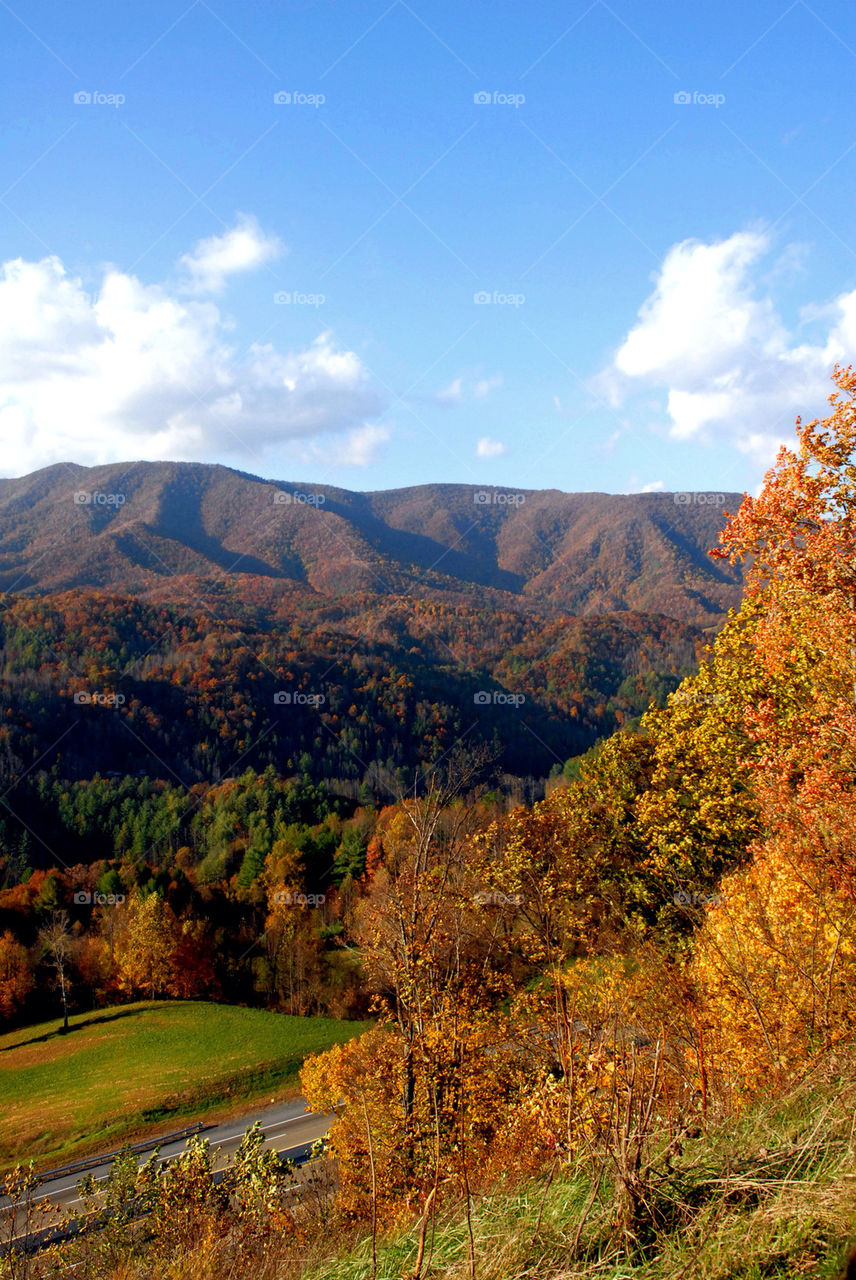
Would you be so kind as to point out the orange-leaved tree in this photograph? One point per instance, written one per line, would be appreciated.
(16, 975)
(800, 534)
(775, 957)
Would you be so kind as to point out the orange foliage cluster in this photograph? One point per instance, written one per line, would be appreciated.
(657, 944)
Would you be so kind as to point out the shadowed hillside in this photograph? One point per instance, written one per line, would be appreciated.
(132, 527)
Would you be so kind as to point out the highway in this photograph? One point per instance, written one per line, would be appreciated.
(287, 1127)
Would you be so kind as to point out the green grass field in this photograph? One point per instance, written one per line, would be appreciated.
(145, 1068)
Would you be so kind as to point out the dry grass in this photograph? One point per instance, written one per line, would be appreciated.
(768, 1197)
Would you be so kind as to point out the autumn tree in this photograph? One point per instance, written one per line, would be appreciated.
(16, 975)
(96, 966)
(799, 535)
(292, 962)
(776, 963)
(699, 813)
(191, 962)
(145, 947)
(431, 953)
(775, 956)
(573, 860)
(58, 944)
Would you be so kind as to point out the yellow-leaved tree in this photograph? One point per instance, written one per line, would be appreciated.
(776, 963)
(776, 958)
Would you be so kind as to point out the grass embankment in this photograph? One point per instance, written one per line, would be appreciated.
(772, 1197)
(138, 1069)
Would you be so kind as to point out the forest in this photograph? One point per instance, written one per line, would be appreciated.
(618, 1018)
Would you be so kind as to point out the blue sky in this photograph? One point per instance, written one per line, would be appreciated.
(193, 269)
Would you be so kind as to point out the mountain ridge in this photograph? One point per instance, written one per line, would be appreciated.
(139, 525)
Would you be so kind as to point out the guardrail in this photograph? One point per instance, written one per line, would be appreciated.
(94, 1162)
(47, 1236)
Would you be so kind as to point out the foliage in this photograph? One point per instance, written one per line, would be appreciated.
(579, 989)
(358, 697)
(16, 977)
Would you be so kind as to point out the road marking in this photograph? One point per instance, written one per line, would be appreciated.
(50, 1192)
(307, 1115)
(166, 1159)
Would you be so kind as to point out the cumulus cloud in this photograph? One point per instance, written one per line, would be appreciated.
(244, 247)
(721, 351)
(134, 371)
(488, 448)
(653, 486)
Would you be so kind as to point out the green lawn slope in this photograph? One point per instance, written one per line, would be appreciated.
(145, 1068)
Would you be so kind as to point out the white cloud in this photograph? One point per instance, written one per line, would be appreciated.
(452, 394)
(484, 386)
(653, 486)
(462, 389)
(244, 247)
(137, 372)
(721, 351)
(359, 448)
(363, 445)
(488, 448)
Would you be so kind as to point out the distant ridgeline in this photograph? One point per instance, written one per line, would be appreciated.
(181, 623)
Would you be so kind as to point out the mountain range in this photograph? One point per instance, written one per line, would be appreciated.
(179, 623)
(159, 530)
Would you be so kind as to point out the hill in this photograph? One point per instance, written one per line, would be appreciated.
(138, 1068)
(160, 529)
(357, 694)
(183, 623)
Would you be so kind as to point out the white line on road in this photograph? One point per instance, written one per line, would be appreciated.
(50, 1190)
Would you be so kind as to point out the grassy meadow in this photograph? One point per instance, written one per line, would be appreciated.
(145, 1068)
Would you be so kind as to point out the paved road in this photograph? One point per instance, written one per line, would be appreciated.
(287, 1127)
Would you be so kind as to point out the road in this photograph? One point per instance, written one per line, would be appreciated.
(287, 1127)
